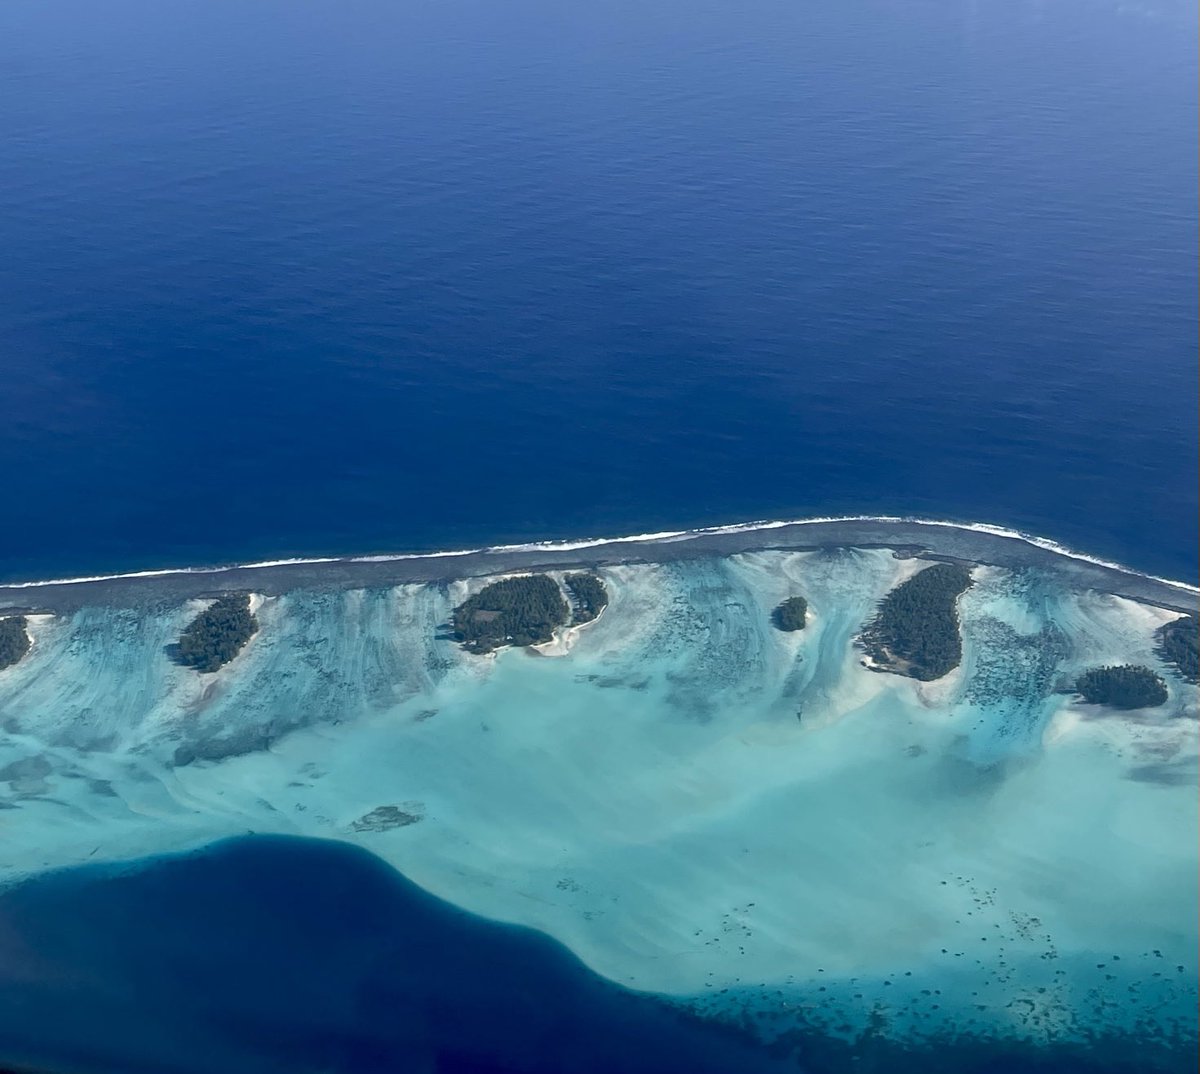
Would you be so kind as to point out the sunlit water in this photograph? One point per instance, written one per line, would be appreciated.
(694, 803)
(291, 278)
(300, 278)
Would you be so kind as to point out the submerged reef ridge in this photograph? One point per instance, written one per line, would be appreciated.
(979, 854)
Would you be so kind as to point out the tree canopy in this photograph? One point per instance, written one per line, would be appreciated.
(1179, 644)
(1124, 686)
(915, 631)
(791, 615)
(512, 611)
(588, 595)
(217, 634)
(14, 640)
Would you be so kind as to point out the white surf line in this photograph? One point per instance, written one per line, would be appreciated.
(568, 545)
(163, 572)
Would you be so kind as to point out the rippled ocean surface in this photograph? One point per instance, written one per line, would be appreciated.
(287, 277)
(291, 278)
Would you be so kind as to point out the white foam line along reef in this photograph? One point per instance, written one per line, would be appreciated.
(579, 544)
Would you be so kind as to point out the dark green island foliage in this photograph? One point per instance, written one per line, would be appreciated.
(1179, 644)
(915, 631)
(513, 611)
(1127, 686)
(588, 595)
(14, 640)
(791, 615)
(217, 634)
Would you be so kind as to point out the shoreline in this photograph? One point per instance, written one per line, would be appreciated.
(981, 543)
(565, 637)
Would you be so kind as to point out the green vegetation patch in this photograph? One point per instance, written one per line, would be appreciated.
(513, 611)
(1179, 644)
(217, 634)
(14, 640)
(791, 615)
(588, 595)
(915, 632)
(1127, 686)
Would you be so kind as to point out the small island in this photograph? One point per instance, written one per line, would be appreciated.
(217, 634)
(513, 611)
(915, 632)
(791, 615)
(587, 595)
(1125, 686)
(526, 610)
(1179, 645)
(14, 640)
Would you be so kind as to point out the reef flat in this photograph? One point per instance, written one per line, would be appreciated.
(977, 543)
(695, 803)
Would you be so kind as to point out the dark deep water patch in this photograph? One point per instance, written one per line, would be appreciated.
(290, 276)
(267, 953)
(263, 954)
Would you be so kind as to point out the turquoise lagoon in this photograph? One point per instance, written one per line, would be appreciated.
(695, 804)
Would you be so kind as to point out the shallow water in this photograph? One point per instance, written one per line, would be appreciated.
(695, 804)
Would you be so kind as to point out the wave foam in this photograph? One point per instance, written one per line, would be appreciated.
(577, 544)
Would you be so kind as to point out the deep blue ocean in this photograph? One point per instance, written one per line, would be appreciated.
(287, 278)
(285, 955)
(276, 955)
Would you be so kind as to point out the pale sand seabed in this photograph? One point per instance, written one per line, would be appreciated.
(689, 799)
(565, 638)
